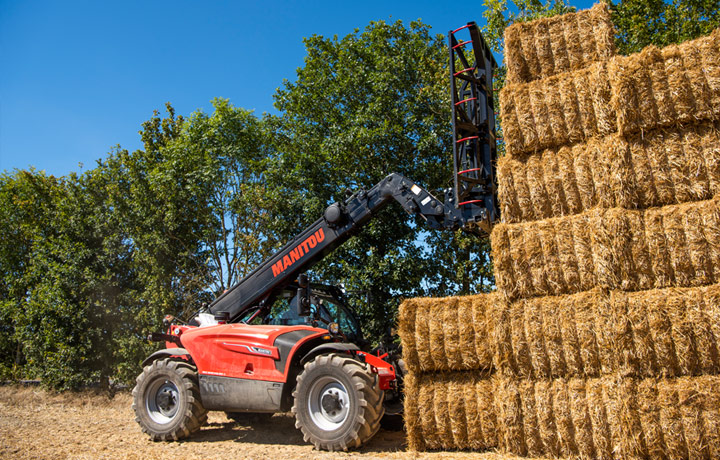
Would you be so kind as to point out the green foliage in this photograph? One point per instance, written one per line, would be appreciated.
(640, 23)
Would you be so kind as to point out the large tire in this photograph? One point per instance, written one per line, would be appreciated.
(166, 400)
(338, 402)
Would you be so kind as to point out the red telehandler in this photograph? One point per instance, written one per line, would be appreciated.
(275, 342)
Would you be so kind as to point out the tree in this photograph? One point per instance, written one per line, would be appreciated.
(640, 23)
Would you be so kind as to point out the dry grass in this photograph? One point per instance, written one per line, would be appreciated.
(664, 87)
(549, 46)
(612, 417)
(36, 425)
(662, 167)
(671, 246)
(566, 108)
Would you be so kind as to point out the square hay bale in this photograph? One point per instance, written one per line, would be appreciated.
(548, 46)
(558, 110)
(450, 333)
(675, 245)
(668, 332)
(612, 417)
(664, 87)
(664, 166)
(450, 411)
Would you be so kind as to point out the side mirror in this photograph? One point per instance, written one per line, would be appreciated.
(303, 296)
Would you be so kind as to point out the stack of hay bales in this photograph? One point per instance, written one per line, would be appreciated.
(603, 338)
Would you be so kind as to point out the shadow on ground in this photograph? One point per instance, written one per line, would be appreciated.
(280, 430)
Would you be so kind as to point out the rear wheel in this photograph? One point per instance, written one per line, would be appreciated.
(166, 400)
(338, 402)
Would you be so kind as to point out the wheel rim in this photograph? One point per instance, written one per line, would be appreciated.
(328, 403)
(162, 401)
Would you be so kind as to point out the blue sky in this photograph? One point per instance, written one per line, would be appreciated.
(78, 77)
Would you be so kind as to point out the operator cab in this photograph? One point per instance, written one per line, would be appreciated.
(327, 305)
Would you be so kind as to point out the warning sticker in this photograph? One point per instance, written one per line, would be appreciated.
(415, 189)
(425, 201)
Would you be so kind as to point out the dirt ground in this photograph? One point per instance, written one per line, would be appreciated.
(35, 424)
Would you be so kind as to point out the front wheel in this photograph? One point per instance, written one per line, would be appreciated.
(166, 400)
(338, 402)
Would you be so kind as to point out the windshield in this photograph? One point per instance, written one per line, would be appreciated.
(323, 307)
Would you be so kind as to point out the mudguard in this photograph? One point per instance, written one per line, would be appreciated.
(328, 348)
(166, 353)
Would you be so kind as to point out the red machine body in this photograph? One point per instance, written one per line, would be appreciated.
(261, 352)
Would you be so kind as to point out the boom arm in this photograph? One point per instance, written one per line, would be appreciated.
(339, 222)
(470, 204)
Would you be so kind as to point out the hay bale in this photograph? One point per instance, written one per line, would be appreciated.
(552, 112)
(450, 333)
(656, 88)
(450, 411)
(658, 332)
(662, 167)
(549, 46)
(677, 245)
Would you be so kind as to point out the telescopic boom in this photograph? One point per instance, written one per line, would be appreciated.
(469, 204)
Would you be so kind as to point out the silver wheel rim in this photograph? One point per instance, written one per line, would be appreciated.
(162, 401)
(328, 403)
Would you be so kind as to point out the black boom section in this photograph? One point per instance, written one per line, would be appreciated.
(339, 222)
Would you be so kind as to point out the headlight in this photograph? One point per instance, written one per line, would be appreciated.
(334, 328)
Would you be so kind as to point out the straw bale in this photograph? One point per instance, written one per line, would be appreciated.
(664, 87)
(693, 66)
(512, 133)
(530, 422)
(611, 417)
(436, 321)
(584, 94)
(543, 48)
(558, 45)
(662, 167)
(457, 411)
(411, 413)
(536, 185)
(421, 335)
(599, 419)
(709, 48)
(509, 410)
(450, 411)
(466, 355)
(683, 98)
(566, 251)
(549, 46)
(674, 330)
(517, 67)
(554, 182)
(552, 112)
(450, 333)
(658, 332)
(711, 154)
(572, 113)
(507, 194)
(613, 248)
(407, 322)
